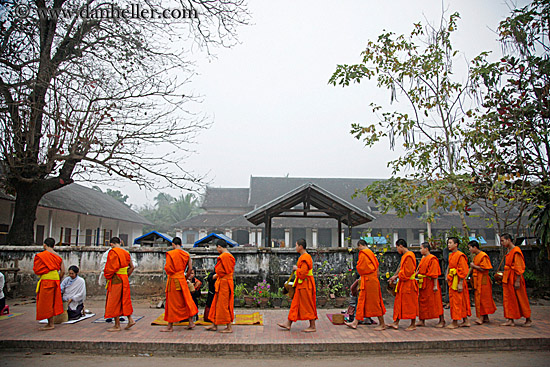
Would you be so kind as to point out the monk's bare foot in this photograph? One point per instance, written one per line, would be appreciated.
(411, 328)
(465, 324)
(167, 330)
(284, 326)
(440, 325)
(528, 323)
(508, 323)
(130, 324)
(421, 323)
(211, 328)
(113, 329)
(45, 328)
(309, 330)
(452, 326)
(351, 325)
(393, 326)
(479, 321)
(381, 327)
(190, 327)
(227, 330)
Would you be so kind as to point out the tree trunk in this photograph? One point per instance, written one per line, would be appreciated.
(22, 227)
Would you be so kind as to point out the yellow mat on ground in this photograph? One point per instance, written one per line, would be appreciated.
(4, 317)
(247, 319)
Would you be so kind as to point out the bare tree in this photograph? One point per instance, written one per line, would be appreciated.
(92, 89)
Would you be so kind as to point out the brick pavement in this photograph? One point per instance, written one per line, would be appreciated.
(22, 333)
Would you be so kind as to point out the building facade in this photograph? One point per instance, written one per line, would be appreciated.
(224, 210)
(79, 216)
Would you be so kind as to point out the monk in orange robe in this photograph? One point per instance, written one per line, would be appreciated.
(405, 306)
(49, 265)
(515, 301)
(430, 305)
(304, 303)
(459, 297)
(118, 268)
(369, 302)
(179, 302)
(221, 311)
(485, 305)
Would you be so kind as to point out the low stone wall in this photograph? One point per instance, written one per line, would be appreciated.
(252, 264)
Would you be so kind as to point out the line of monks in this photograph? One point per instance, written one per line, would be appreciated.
(418, 293)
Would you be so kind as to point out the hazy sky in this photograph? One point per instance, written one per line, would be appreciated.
(274, 113)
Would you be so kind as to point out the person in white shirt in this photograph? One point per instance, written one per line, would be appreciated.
(73, 289)
(2, 297)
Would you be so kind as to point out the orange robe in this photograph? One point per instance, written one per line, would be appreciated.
(430, 305)
(118, 302)
(515, 301)
(405, 306)
(48, 298)
(369, 303)
(221, 311)
(304, 303)
(459, 301)
(179, 302)
(485, 305)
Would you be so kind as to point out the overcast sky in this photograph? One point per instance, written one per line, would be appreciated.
(273, 112)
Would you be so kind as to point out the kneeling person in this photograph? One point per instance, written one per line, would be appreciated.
(73, 289)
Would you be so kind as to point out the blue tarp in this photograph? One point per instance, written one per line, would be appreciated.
(375, 240)
(152, 236)
(213, 236)
(479, 239)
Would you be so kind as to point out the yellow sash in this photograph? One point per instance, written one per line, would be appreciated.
(52, 275)
(119, 271)
(420, 280)
(453, 273)
(219, 279)
(309, 274)
(176, 278)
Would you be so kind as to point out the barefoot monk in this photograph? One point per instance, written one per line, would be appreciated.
(369, 303)
(179, 302)
(117, 269)
(304, 306)
(49, 266)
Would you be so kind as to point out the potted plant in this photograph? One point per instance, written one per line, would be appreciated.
(240, 292)
(277, 298)
(337, 290)
(261, 293)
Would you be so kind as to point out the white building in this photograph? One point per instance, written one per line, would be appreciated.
(77, 215)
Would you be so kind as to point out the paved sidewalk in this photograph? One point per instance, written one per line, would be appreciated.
(21, 333)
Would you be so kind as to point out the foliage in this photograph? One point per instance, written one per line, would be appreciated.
(278, 293)
(420, 69)
(93, 97)
(261, 290)
(169, 210)
(511, 135)
(321, 275)
(115, 194)
(240, 290)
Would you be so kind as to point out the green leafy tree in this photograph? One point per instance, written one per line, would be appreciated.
(115, 194)
(510, 160)
(419, 69)
(169, 210)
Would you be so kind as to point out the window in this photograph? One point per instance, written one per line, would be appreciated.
(4, 229)
(124, 239)
(67, 236)
(190, 238)
(88, 239)
(39, 238)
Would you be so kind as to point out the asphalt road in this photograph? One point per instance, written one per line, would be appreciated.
(485, 359)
